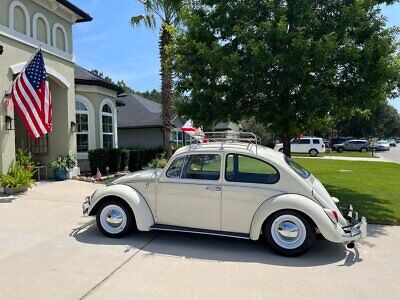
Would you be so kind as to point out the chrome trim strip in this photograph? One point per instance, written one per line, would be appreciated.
(201, 231)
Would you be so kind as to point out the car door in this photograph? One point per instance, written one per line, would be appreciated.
(248, 182)
(295, 146)
(189, 193)
(304, 145)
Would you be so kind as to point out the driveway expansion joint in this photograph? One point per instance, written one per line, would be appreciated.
(118, 268)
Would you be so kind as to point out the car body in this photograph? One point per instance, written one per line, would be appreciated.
(310, 145)
(392, 142)
(340, 140)
(352, 145)
(382, 145)
(227, 189)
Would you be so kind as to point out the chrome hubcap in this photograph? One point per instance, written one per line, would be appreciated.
(288, 230)
(114, 218)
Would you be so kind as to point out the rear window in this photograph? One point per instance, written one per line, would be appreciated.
(305, 141)
(297, 168)
(315, 141)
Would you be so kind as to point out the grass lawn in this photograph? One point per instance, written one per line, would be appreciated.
(372, 187)
(346, 154)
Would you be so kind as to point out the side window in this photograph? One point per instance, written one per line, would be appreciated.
(175, 170)
(316, 141)
(305, 141)
(240, 168)
(202, 166)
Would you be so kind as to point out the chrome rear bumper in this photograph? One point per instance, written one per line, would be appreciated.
(355, 232)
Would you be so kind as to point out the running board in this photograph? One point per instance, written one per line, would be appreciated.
(200, 231)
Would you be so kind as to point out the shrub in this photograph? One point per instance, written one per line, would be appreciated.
(114, 159)
(141, 157)
(98, 158)
(23, 157)
(124, 159)
(63, 162)
(18, 175)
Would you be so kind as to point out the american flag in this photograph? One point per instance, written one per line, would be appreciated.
(31, 96)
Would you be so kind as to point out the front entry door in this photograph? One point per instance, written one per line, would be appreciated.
(189, 194)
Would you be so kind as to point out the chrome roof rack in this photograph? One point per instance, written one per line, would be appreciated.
(231, 137)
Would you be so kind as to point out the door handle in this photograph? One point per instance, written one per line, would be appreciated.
(214, 188)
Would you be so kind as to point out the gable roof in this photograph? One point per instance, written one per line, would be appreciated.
(84, 17)
(85, 77)
(138, 112)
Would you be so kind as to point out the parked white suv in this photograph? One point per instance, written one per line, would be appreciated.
(310, 145)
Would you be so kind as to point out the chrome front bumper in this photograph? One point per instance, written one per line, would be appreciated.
(85, 206)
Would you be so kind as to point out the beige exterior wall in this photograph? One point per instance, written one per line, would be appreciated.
(18, 49)
(143, 137)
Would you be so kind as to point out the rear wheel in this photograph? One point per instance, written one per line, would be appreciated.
(313, 153)
(364, 150)
(114, 218)
(289, 233)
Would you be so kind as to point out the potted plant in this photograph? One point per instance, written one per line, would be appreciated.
(61, 165)
(18, 179)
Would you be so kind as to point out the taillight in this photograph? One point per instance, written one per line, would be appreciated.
(323, 146)
(333, 215)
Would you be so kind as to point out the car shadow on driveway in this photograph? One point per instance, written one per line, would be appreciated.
(220, 249)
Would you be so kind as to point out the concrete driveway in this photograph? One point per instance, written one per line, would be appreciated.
(49, 251)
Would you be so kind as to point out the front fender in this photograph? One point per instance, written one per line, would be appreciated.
(332, 232)
(139, 206)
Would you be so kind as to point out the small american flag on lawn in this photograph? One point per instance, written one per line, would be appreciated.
(31, 96)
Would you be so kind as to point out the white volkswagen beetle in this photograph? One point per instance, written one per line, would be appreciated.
(235, 189)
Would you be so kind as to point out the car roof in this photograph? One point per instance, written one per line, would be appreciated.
(233, 147)
(365, 141)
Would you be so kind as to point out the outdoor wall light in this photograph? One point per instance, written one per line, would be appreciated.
(74, 127)
(10, 124)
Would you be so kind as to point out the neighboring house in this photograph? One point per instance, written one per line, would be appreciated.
(140, 125)
(96, 114)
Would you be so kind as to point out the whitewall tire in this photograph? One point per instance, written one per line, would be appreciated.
(289, 233)
(114, 218)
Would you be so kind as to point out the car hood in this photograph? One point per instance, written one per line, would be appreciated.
(139, 176)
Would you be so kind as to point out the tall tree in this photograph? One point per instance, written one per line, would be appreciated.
(289, 63)
(169, 13)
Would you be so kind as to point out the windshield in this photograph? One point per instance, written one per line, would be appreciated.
(297, 168)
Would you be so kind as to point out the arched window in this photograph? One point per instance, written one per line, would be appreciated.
(60, 39)
(82, 122)
(107, 126)
(41, 28)
(19, 18)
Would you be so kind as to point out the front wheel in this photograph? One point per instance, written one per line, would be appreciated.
(281, 150)
(289, 233)
(114, 218)
(364, 150)
(340, 150)
(313, 153)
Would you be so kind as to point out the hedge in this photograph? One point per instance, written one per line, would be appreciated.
(118, 159)
(98, 158)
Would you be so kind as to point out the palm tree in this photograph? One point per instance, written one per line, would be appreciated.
(169, 13)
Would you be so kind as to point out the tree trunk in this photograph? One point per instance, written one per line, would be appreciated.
(286, 144)
(165, 41)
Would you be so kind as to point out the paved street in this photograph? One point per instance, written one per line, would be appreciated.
(393, 154)
(49, 251)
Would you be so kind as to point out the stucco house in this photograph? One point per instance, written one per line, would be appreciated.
(84, 105)
(140, 125)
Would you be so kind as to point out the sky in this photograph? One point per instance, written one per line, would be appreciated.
(111, 45)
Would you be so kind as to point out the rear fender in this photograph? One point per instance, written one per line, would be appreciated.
(314, 211)
(139, 206)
